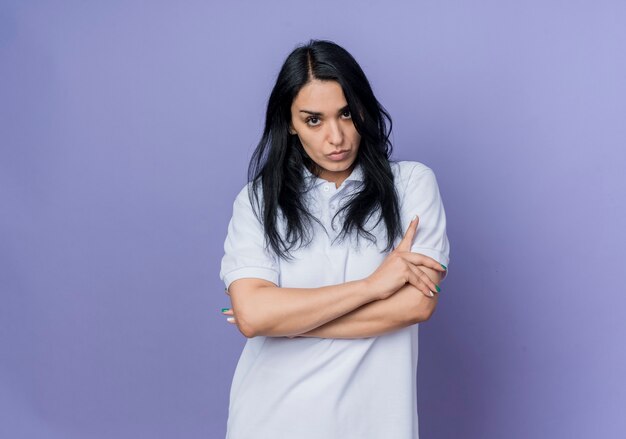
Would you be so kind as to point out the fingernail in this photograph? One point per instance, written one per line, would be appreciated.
(431, 293)
(225, 309)
(230, 319)
(444, 267)
(414, 218)
(438, 289)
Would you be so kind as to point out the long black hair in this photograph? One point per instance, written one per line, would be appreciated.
(279, 158)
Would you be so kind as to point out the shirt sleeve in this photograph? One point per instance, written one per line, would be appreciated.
(245, 255)
(422, 197)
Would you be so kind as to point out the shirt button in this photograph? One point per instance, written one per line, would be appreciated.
(332, 206)
(326, 188)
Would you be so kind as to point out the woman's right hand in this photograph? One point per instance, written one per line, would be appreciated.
(400, 267)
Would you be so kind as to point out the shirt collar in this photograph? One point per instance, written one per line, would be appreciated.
(356, 175)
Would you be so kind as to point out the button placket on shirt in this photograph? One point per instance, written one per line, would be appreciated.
(326, 194)
(331, 195)
(334, 253)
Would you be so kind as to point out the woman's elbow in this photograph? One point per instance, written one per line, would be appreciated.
(428, 313)
(242, 293)
(248, 333)
(425, 308)
(243, 324)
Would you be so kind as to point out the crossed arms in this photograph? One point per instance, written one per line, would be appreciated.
(347, 310)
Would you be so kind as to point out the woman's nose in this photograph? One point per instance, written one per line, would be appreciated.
(335, 135)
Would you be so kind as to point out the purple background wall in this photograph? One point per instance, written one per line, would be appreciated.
(125, 131)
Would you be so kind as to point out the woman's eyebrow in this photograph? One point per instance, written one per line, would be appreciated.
(317, 113)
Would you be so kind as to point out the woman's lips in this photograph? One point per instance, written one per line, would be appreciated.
(340, 155)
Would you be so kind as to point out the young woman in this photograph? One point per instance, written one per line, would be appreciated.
(327, 269)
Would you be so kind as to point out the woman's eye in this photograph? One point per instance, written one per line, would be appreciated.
(310, 120)
(346, 113)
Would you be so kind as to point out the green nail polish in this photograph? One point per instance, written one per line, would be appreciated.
(225, 309)
(444, 267)
(438, 289)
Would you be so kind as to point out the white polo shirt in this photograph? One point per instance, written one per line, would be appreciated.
(323, 388)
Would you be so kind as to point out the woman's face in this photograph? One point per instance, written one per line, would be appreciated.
(321, 119)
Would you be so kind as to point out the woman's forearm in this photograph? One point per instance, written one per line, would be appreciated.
(406, 307)
(273, 311)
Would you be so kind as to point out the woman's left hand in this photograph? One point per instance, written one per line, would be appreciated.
(230, 312)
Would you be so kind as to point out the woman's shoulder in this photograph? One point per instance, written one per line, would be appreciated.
(404, 169)
(242, 198)
(246, 189)
(242, 194)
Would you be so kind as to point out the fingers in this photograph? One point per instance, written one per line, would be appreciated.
(405, 246)
(426, 285)
(415, 280)
(407, 239)
(229, 312)
(421, 259)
